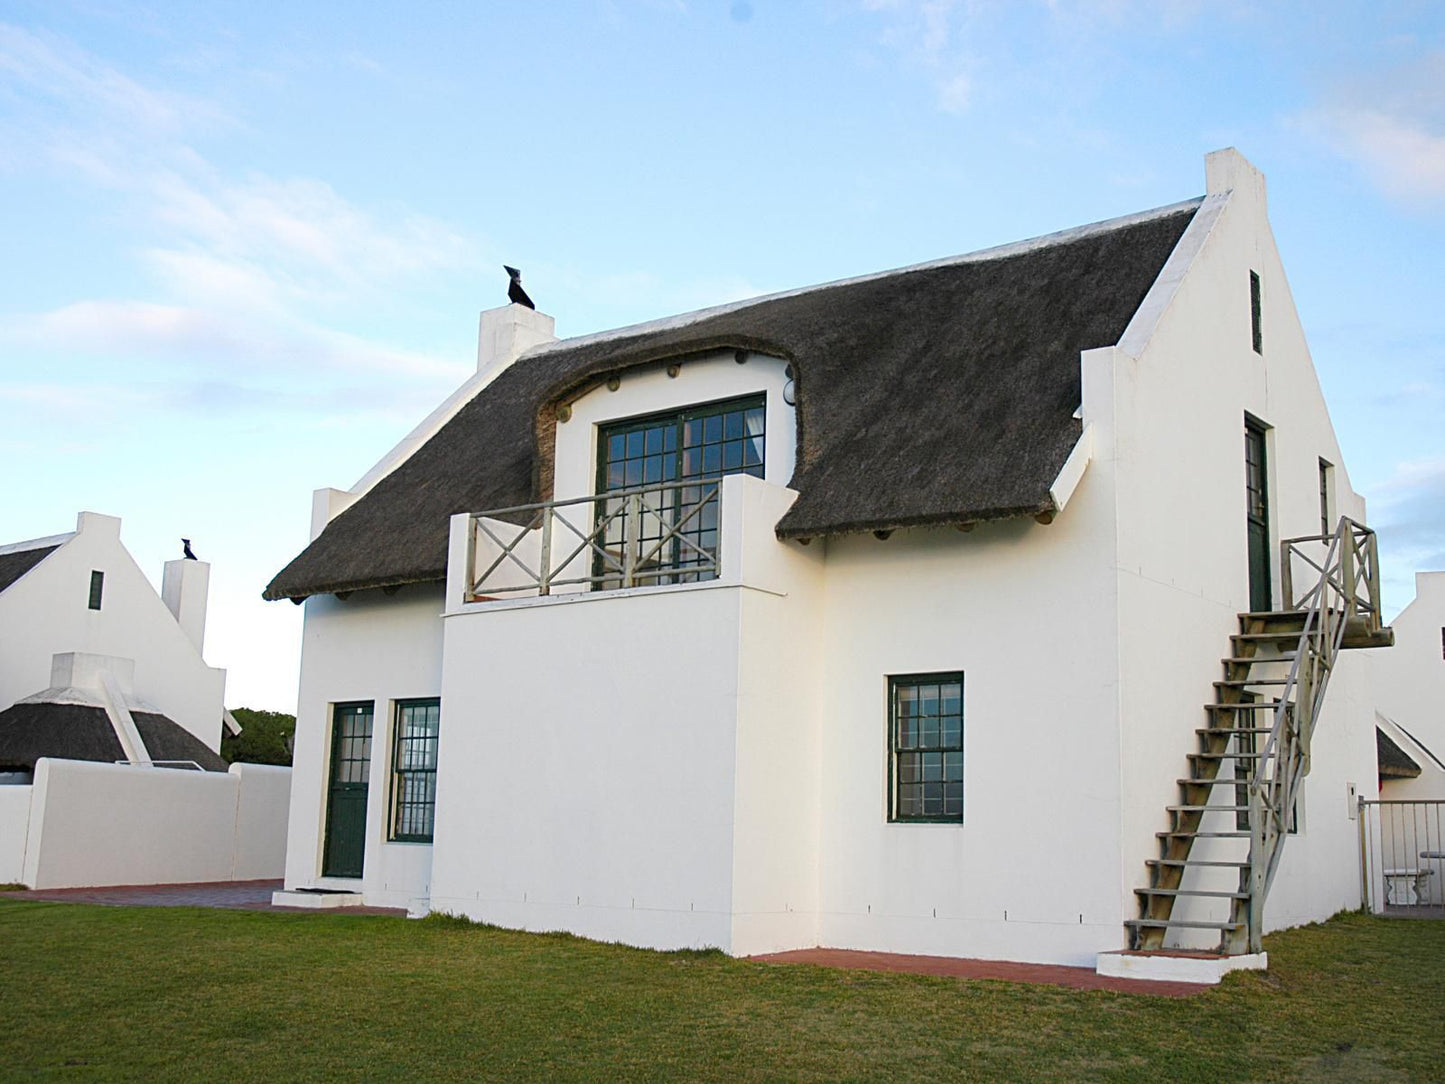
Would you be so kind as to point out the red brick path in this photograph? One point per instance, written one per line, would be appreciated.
(236, 895)
(1079, 978)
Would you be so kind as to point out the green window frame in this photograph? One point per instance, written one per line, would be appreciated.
(1256, 314)
(925, 748)
(97, 589)
(701, 443)
(415, 736)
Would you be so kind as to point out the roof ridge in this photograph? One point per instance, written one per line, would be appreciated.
(995, 252)
(36, 543)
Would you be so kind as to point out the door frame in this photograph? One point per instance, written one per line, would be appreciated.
(328, 793)
(1256, 434)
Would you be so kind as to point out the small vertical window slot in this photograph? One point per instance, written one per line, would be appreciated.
(1256, 319)
(1327, 504)
(97, 588)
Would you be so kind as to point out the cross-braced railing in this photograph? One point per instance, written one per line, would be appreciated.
(1343, 598)
(656, 534)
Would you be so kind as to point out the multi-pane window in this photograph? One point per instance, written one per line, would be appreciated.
(97, 588)
(351, 743)
(414, 770)
(677, 529)
(1256, 314)
(925, 739)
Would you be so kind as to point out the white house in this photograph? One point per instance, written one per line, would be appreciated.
(102, 682)
(82, 592)
(883, 614)
(1407, 828)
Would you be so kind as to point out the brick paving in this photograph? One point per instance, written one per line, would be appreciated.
(1078, 978)
(233, 895)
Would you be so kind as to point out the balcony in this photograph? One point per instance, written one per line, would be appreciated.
(673, 536)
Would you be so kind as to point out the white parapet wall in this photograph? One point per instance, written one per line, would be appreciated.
(263, 803)
(91, 824)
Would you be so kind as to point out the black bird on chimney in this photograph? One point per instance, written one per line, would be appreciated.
(515, 293)
(186, 546)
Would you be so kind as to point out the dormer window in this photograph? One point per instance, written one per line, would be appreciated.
(698, 445)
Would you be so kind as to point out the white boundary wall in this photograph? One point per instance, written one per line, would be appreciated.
(14, 825)
(82, 824)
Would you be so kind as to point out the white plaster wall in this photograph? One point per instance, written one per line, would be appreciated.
(45, 613)
(377, 647)
(641, 765)
(1026, 611)
(14, 826)
(1170, 423)
(1410, 677)
(108, 824)
(780, 722)
(586, 766)
(263, 795)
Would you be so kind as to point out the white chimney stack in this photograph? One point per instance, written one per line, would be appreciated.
(505, 334)
(183, 589)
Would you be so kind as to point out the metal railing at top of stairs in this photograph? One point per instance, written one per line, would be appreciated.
(1344, 597)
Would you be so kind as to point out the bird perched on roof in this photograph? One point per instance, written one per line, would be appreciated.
(186, 548)
(515, 293)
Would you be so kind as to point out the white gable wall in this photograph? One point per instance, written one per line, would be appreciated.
(46, 613)
(1171, 422)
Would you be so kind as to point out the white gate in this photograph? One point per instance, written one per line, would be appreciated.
(1402, 857)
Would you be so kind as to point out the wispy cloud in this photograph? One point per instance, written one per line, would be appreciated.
(1410, 510)
(1391, 125)
(244, 268)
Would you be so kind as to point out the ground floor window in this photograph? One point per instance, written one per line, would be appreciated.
(925, 728)
(414, 770)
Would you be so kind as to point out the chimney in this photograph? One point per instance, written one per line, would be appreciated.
(505, 334)
(183, 589)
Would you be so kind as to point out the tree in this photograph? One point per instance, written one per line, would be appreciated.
(266, 737)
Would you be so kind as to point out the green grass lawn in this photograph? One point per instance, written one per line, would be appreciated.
(178, 993)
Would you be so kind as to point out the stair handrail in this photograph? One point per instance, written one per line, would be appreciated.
(1331, 605)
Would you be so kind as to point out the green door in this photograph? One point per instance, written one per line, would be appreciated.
(1256, 481)
(346, 795)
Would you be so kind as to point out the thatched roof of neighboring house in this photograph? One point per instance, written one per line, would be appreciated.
(15, 564)
(30, 730)
(1395, 763)
(938, 394)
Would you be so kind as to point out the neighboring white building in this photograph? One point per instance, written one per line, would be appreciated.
(1410, 680)
(82, 593)
(920, 674)
(102, 684)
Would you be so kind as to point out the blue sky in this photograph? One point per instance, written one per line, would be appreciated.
(245, 244)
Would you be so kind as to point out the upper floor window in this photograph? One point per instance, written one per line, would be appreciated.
(414, 770)
(925, 740)
(97, 588)
(672, 529)
(1256, 315)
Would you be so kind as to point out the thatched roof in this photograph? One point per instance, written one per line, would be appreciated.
(1395, 763)
(15, 564)
(939, 394)
(30, 730)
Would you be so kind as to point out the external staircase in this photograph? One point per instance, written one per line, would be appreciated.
(1220, 853)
